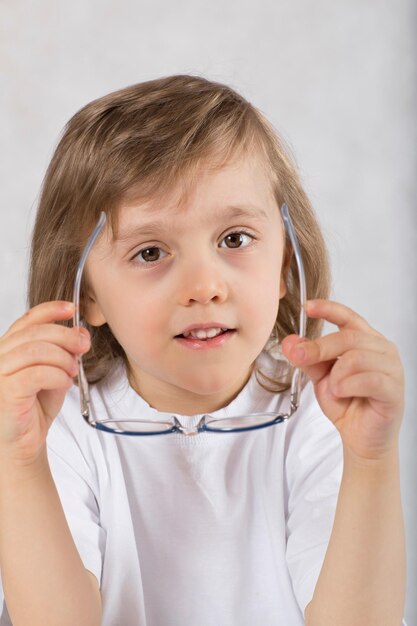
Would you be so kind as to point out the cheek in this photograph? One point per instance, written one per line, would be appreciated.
(133, 315)
(260, 300)
(263, 303)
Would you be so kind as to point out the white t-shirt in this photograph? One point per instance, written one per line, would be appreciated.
(225, 529)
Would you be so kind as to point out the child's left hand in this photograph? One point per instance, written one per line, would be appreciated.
(358, 379)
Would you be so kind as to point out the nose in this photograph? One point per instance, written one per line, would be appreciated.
(201, 280)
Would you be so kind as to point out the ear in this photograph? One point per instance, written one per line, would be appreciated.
(284, 272)
(92, 311)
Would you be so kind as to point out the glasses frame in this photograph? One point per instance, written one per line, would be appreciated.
(174, 425)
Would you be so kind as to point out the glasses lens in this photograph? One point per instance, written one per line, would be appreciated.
(134, 426)
(243, 421)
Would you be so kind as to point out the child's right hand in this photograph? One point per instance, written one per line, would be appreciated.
(37, 365)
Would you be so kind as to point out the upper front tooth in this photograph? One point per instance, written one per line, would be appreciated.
(203, 334)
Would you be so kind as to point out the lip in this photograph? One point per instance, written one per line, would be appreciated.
(206, 344)
(204, 326)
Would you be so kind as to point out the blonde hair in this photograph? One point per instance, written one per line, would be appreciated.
(140, 141)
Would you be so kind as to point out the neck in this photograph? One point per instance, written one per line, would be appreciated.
(172, 399)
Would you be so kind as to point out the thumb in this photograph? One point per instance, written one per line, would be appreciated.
(51, 401)
(295, 348)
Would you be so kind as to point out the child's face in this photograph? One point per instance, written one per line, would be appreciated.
(199, 275)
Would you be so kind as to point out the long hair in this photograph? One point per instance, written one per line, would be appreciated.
(140, 141)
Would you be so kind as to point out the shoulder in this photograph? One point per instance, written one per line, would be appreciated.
(102, 395)
(313, 447)
(309, 433)
(309, 417)
(75, 442)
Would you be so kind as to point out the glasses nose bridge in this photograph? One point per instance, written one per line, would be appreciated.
(189, 431)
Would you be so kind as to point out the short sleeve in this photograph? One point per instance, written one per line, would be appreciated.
(77, 490)
(314, 464)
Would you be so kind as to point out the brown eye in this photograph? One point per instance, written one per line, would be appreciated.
(236, 239)
(150, 254)
(147, 256)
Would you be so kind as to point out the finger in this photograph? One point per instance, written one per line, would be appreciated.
(333, 346)
(359, 361)
(316, 372)
(74, 340)
(38, 353)
(373, 385)
(30, 381)
(44, 313)
(338, 314)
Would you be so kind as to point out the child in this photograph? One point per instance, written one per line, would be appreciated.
(292, 523)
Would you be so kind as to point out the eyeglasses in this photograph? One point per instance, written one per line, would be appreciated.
(207, 423)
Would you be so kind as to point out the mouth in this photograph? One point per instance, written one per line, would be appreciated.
(210, 342)
(226, 330)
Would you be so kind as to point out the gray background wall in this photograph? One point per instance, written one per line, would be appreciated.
(337, 79)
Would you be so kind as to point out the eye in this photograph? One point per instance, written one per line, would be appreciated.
(152, 254)
(148, 256)
(235, 238)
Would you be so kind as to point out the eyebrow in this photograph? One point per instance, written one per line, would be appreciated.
(156, 226)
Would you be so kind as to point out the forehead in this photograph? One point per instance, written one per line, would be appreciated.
(241, 188)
